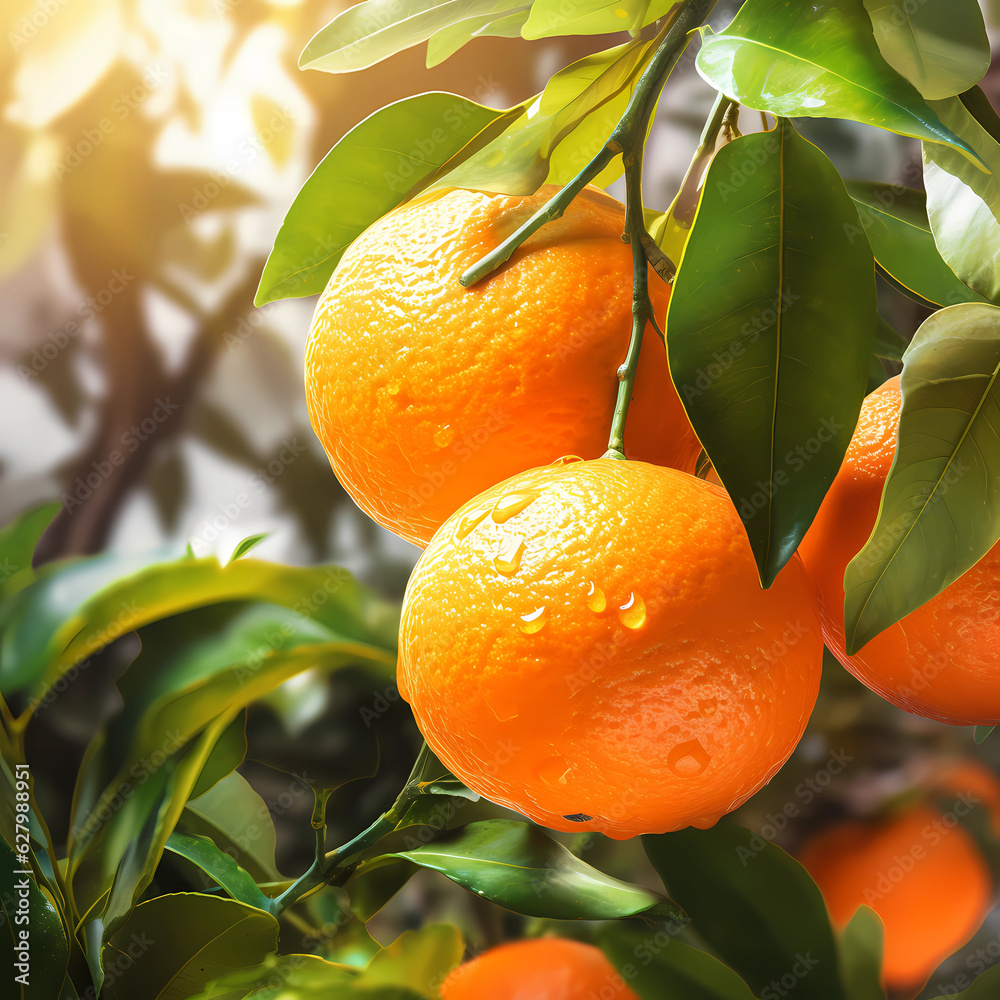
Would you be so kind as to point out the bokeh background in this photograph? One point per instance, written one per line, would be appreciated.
(148, 152)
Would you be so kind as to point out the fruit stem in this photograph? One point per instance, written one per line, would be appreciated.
(628, 137)
(334, 866)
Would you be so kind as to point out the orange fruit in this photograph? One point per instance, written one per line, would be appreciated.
(940, 661)
(537, 969)
(425, 393)
(588, 643)
(923, 875)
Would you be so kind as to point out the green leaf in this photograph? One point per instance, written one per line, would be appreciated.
(657, 967)
(550, 18)
(79, 606)
(418, 959)
(220, 866)
(773, 920)
(940, 46)
(372, 31)
(18, 540)
(517, 162)
(816, 60)
(983, 733)
(888, 343)
(248, 543)
(768, 354)
(445, 42)
(377, 165)
(861, 955)
(984, 987)
(516, 866)
(238, 821)
(227, 755)
(180, 943)
(963, 201)
(31, 918)
(895, 220)
(940, 511)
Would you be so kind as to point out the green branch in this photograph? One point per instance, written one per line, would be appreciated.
(628, 137)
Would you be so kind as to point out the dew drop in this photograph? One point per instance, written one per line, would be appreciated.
(509, 558)
(469, 521)
(688, 759)
(596, 600)
(535, 622)
(567, 460)
(393, 389)
(513, 503)
(621, 12)
(708, 706)
(578, 818)
(443, 436)
(632, 614)
(554, 772)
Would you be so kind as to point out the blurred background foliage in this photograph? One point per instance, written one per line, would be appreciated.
(148, 152)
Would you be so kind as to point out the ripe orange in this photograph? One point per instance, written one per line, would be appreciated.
(940, 660)
(588, 643)
(920, 871)
(425, 393)
(537, 969)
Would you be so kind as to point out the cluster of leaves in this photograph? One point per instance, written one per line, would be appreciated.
(773, 330)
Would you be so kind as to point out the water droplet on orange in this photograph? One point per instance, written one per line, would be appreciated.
(708, 706)
(513, 503)
(393, 389)
(509, 559)
(469, 521)
(554, 772)
(535, 622)
(632, 614)
(567, 460)
(443, 436)
(688, 759)
(596, 600)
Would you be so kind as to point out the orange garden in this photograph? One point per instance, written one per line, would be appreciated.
(690, 691)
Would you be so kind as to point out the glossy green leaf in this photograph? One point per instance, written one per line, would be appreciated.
(417, 959)
(773, 920)
(237, 820)
(518, 161)
(219, 866)
(516, 866)
(895, 220)
(247, 545)
(940, 46)
(383, 160)
(963, 200)
(888, 343)
(940, 511)
(861, 955)
(816, 60)
(986, 986)
(373, 30)
(188, 677)
(551, 18)
(768, 354)
(227, 755)
(18, 540)
(79, 606)
(30, 918)
(445, 42)
(657, 967)
(983, 732)
(180, 943)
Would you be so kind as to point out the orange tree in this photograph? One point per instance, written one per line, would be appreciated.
(691, 590)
